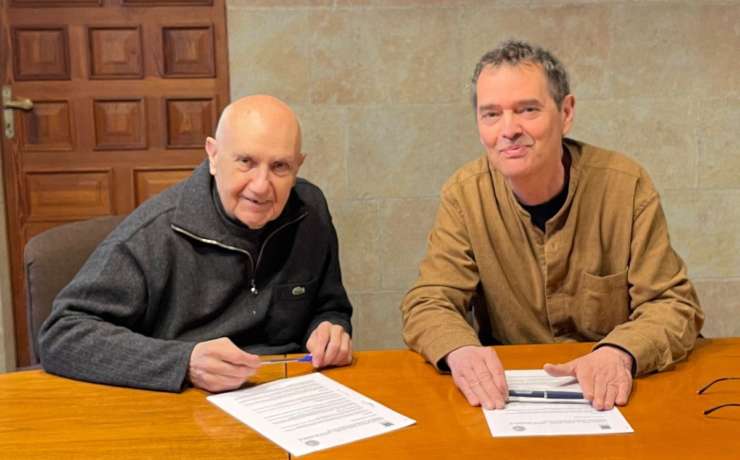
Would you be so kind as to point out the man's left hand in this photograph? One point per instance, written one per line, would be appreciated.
(604, 374)
(330, 345)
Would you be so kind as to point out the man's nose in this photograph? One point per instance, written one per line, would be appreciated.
(260, 183)
(511, 128)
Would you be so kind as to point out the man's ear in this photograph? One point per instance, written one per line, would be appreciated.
(568, 112)
(300, 157)
(212, 151)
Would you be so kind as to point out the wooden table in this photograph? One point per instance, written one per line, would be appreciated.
(43, 416)
(47, 417)
(664, 410)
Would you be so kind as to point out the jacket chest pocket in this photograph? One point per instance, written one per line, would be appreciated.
(601, 303)
(290, 311)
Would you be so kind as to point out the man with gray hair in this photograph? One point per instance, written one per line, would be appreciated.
(563, 240)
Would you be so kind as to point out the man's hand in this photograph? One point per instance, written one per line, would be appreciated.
(605, 376)
(479, 375)
(330, 345)
(219, 365)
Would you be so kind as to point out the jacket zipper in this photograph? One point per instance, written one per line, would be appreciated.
(253, 265)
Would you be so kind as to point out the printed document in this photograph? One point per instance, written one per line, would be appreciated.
(544, 417)
(309, 413)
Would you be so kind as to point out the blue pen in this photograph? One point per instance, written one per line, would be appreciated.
(547, 394)
(303, 359)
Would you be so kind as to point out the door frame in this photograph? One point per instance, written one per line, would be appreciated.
(7, 325)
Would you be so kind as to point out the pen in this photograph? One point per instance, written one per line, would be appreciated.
(302, 359)
(546, 394)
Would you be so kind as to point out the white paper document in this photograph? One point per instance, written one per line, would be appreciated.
(547, 418)
(309, 413)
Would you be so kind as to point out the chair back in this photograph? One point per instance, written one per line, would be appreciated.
(51, 259)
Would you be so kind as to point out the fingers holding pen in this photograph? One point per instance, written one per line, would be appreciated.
(219, 365)
(330, 345)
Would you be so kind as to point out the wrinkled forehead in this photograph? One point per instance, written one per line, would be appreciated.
(253, 133)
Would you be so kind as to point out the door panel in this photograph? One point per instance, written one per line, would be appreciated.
(47, 128)
(61, 3)
(40, 53)
(68, 195)
(115, 52)
(124, 94)
(188, 51)
(149, 182)
(120, 124)
(189, 121)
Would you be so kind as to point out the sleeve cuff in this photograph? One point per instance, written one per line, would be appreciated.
(441, 347)
(633, 371)
(644, 354)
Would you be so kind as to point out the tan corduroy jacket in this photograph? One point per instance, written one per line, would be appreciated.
(604, 269)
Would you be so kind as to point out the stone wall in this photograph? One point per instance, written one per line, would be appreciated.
(382, 90)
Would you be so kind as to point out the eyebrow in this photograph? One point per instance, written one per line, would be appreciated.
(284, 158)
(529, 102)
(516, 104)
(290, 159)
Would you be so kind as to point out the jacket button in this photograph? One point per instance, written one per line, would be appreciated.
(298, 290)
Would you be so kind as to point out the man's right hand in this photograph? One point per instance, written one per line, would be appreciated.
(219, 365)
(479, 375)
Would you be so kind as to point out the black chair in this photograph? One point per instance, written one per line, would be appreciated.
(51, 259)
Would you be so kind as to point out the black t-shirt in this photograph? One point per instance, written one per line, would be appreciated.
(541, 213)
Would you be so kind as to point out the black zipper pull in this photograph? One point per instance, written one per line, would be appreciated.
(254, 290)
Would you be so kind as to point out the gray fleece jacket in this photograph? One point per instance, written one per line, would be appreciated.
(177, 272)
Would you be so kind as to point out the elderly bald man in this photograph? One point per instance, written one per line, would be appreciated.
(238, 260)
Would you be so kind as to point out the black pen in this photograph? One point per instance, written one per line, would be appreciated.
(547, 394)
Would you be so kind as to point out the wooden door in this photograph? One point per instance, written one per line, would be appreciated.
(124, 93)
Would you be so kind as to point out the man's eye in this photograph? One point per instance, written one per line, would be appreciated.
(489, 115)
(281, 167)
